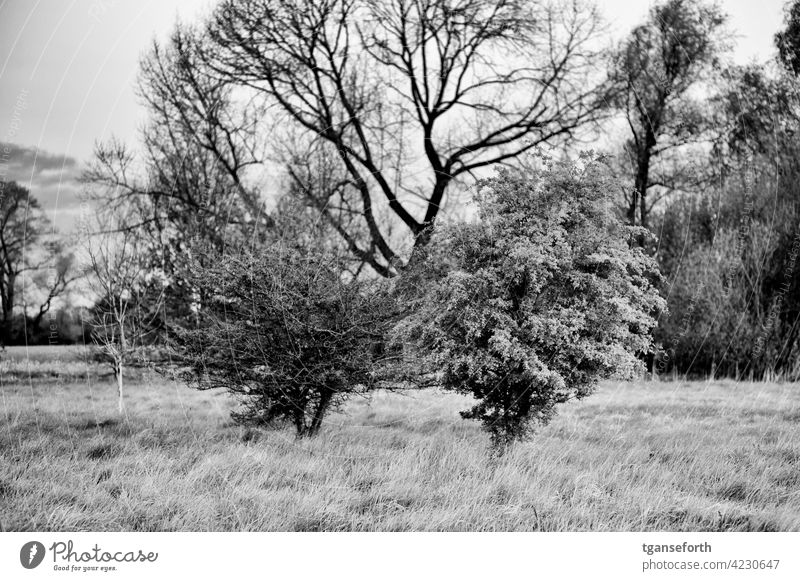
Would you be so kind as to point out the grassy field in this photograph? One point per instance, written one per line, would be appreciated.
(659, 456)
(25, 363)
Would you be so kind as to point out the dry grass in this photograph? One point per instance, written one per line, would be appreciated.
(652, 456)
(25, 363)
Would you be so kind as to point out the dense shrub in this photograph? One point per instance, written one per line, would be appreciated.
(285, 333)
(729, 255)
(732, 278)
(532, 304)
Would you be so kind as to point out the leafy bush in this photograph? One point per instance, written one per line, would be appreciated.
(534, 303)
(285, 333)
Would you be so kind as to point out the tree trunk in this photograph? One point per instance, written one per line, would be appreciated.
(118, 374)
(434, 205)
(319, 413)
(632, 207)
(299, 421)
(5, 332)
(8, 312)
(642, 177)
(650, 360)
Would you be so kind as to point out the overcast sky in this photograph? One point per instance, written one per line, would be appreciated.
(67, 69)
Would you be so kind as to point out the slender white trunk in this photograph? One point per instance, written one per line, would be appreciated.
(119, 388)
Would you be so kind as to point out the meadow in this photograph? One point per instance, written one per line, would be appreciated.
(646, 456)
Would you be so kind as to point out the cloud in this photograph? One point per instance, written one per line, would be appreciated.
(51, 178)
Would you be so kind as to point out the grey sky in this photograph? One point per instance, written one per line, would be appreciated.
(67, 69)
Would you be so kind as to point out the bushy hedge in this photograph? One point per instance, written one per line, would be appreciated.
(285, 332)
(533, 303)
(732, 278)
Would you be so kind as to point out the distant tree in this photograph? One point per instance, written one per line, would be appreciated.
(758, 115)
(788, 39)
(187, 182)
(734, 282)
(284, 332)
(657, 71)
(537, 300)
(728, 254)
(29, 252)
(729, 257)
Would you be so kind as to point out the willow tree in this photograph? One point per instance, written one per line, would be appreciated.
(658, 72)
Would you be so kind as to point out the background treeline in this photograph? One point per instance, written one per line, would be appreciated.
(729, 251)
(64, 326)
(354, 127)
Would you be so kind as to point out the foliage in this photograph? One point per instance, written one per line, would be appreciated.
(788, 40)
(732, 277)
(284, 332)
(539, 299)
(758, 115)
(728, 255)
(657, 72)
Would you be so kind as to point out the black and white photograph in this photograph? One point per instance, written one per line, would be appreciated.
(398, 266)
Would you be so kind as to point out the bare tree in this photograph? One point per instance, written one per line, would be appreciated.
(189, 181)
(409, 96)
(54, 280)
(199, 132)
(126, 316)
(27, 251)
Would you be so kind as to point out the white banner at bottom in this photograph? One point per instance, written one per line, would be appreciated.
(408, 556)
